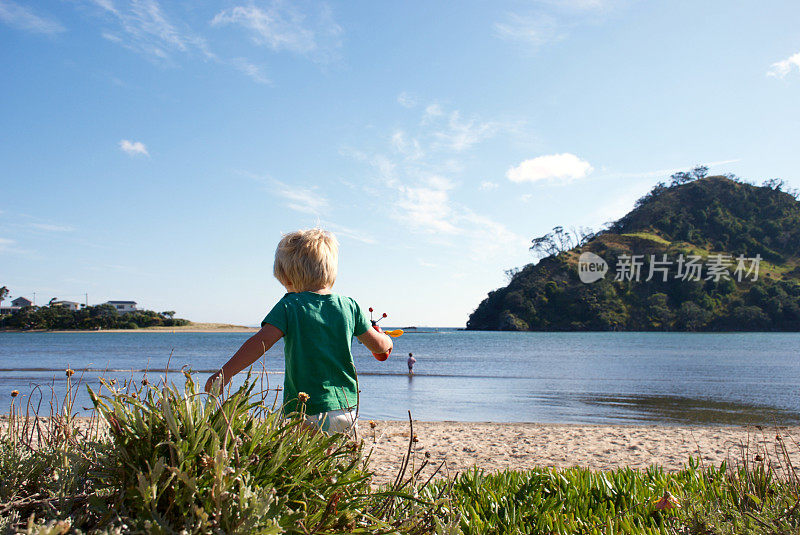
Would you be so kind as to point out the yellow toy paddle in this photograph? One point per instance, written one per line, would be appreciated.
(395, 333)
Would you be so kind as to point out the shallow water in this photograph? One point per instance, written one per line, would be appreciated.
(668, 378)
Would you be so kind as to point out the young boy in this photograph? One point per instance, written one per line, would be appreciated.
(317, 326)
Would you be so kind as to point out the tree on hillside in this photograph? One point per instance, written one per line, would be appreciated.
(3, 294)
(560, 240)
(701, 171)
(168, 313)
(53, 300)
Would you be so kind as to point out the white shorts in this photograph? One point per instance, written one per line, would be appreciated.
(338, 421)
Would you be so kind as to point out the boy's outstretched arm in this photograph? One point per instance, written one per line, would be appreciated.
(251, 350)
(376, 342)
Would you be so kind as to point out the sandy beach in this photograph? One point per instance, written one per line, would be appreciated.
(499, 446)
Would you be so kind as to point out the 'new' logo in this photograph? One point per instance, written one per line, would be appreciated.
(591, 267)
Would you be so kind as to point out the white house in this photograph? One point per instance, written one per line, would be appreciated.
(71, 305)
(123, 307)
(16, 304)
(21, 302)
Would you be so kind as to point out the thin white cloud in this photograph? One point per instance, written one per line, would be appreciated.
(24, 18)
(460, 134)
(780, 69)
(426, 208)
(253, 71)
(554, 167)
(306, 200)
(282, 26)
(579, 5)
(416, 173)
(47, 227)
(133, 148)
(546, 21)
(406, 100)
(348, 232)
(410, 148)
(432, 111)
(489, 238)
(6, 244)
(488, 185)
(531, 30)
(142, 26)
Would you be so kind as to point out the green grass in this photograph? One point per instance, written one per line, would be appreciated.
(648, 236)
(177, 461)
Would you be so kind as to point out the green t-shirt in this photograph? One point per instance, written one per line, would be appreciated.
(318, 331)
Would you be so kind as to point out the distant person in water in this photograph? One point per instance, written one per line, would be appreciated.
(411, 361)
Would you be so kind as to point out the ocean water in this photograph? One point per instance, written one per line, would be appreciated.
(664, 378)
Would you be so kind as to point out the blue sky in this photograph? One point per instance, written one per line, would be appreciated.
(156, 151)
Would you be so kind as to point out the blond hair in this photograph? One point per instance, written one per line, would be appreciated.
(307, 259)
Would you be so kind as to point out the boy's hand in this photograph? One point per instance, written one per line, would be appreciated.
(379, 344)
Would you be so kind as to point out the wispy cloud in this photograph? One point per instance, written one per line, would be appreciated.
(408, 147)
(580, 5)
(48, 227)
(546, 21)
(253, 71)
(348, 232)
(406, 100)
(300, 199)
(283, 26)
(432, 111)
(426, 207)
(553, 167)
(133, 148)
(143, 26)
(488, 185)
(6, 244)
(780, 69)
(24, 18)
(531, 30)
(461, 134)
(417, 169)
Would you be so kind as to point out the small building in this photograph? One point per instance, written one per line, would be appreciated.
(70, 305)
(123, 307)
(21, 302)
(16, 304)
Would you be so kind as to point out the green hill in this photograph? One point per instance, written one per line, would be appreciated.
(712, 220)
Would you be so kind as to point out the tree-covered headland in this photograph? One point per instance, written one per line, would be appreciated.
(724, 224)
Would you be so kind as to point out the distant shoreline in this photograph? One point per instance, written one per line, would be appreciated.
(191, 328)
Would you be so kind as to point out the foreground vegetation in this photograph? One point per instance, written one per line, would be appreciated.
(693, 216)
(163, 459)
